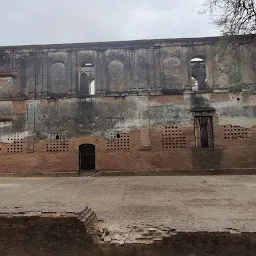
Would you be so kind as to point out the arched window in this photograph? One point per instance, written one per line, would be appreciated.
(198, 74)
(86, 78)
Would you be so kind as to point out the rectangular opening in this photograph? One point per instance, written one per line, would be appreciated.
(203, 132)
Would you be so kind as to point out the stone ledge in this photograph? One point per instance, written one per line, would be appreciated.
(39, 174)
(185, 172)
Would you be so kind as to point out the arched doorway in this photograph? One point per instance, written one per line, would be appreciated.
(198, 74)
(87, 157)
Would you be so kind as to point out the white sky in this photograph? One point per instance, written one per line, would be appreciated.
(66, 21)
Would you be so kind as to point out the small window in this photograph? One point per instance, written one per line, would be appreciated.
(203, 132)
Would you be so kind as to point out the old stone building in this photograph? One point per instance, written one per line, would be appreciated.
(136, 105)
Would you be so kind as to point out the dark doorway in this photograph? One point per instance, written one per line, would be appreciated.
(87, 157)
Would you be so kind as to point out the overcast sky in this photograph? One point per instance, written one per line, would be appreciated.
(67, 21)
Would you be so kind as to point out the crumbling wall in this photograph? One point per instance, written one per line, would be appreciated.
(64, 234)
(153, 65)
(143, 108)
(45, 135)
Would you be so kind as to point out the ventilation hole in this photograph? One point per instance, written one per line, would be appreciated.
(234, 132)
(120, 141)
(174, 139)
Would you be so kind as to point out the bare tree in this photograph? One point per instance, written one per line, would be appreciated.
(233, 17)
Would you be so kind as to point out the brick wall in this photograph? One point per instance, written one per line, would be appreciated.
(138, 133)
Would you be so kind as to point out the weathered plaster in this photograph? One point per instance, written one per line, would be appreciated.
(142, 88)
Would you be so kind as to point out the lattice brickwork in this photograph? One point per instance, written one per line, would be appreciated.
(57, 142)
(235, 132)
(173, 137)
(118, 141)
(16, 143)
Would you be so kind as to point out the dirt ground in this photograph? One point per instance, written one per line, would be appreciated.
(184, 203)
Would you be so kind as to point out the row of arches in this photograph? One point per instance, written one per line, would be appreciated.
(172, 71)
(87, 77)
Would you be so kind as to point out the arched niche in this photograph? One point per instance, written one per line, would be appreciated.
(27, 75)
(198, 74)
(141, 69)
(58, 78)
(87, 79)
(31, 78)
(116, 76)
(172, 73)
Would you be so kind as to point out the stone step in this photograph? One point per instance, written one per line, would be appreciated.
(88, 217)
(84, 212)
